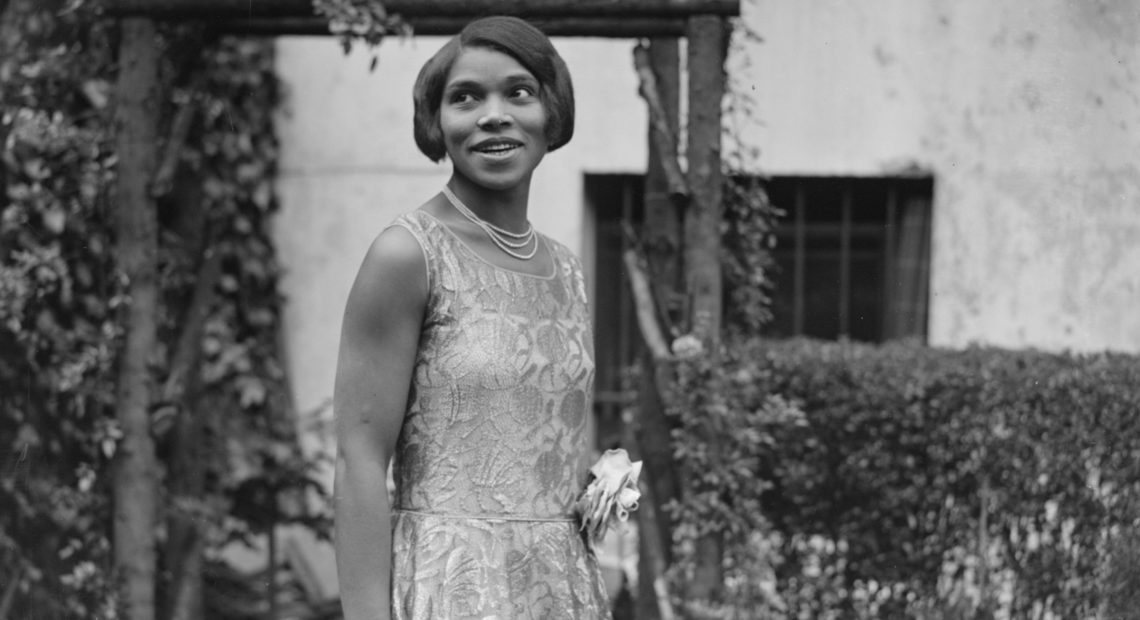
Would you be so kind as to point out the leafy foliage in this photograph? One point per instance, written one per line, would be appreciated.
(724, 438)
(61, 300)
(58, 321)
(921, 482)
(748, 228)
(365, 20)
(748, 235)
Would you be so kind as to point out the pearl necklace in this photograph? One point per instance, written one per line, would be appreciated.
(505, 240)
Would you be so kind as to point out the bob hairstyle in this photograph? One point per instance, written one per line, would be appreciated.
(515, 38)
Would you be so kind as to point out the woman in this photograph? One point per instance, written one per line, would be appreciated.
(466, 356)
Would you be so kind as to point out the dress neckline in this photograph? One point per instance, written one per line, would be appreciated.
(480, 258)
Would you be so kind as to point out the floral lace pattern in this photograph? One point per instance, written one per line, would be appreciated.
(493, 451)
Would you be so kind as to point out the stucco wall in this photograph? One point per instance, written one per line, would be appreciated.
(349, 166)
(1027, 112)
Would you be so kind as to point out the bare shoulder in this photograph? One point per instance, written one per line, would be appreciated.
(395, 248)
(393, 272)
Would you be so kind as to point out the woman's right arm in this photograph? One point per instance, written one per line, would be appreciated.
(379, 338)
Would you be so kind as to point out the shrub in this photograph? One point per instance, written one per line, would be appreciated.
(62, 298)
(919, 482)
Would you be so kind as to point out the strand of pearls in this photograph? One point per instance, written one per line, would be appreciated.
(505, 240)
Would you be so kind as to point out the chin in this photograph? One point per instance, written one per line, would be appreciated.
(503, 176)
(496, 182)
(501, 185)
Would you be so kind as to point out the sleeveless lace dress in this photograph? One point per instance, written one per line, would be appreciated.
(494, 450)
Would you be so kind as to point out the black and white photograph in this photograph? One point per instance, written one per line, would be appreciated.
(569, 310)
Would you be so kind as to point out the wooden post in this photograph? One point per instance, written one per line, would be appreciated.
(707, 36)
(661, 238)
(707, 50)
(136, 466)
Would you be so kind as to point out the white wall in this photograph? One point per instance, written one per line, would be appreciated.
(1027, 112)
(349, 166)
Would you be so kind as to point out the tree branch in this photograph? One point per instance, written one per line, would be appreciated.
(171, 155)
(10, 590)
(187, 353)
(189, 346)
(663, 137)
(646, 313)
(651, 528)
(185, 470)
(188, 581)
(659, 245)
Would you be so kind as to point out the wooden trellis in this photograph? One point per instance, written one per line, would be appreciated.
(613, 9)
(684, 205)
(591, 18)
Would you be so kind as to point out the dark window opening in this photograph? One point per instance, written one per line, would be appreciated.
(613, 199)
(853, 257)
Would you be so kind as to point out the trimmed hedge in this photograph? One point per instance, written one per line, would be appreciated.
(901, 481)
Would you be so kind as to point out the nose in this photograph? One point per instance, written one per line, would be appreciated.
(494, 115)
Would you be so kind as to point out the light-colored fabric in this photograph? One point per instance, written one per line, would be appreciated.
(494, 450)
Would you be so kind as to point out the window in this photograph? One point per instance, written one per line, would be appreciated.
(853, 257)
(612, 199)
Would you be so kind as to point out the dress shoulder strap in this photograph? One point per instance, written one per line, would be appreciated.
(568, 268)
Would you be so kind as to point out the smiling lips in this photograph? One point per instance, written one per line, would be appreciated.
(497, 147)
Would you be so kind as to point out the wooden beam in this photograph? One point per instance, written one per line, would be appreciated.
(447, 26)
(251, 9)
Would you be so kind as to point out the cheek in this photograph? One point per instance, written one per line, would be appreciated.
(452, 128)
(539, 123)
(542, 116)
(447, 131)
(547, 118)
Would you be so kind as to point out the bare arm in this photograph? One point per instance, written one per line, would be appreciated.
(374, 370)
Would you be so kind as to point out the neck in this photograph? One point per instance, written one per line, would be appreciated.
(504, 208)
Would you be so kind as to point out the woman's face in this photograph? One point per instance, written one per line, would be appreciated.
(493, 121)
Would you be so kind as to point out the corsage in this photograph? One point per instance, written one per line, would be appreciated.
(611, 492)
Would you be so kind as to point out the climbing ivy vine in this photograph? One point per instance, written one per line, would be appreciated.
(62, 302)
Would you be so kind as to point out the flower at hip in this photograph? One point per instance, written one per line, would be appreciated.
(611, 492)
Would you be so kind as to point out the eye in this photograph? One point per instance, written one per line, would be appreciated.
(522, 92)
(461, 96)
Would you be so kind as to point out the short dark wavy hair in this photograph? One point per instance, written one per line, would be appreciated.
(515, 38)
